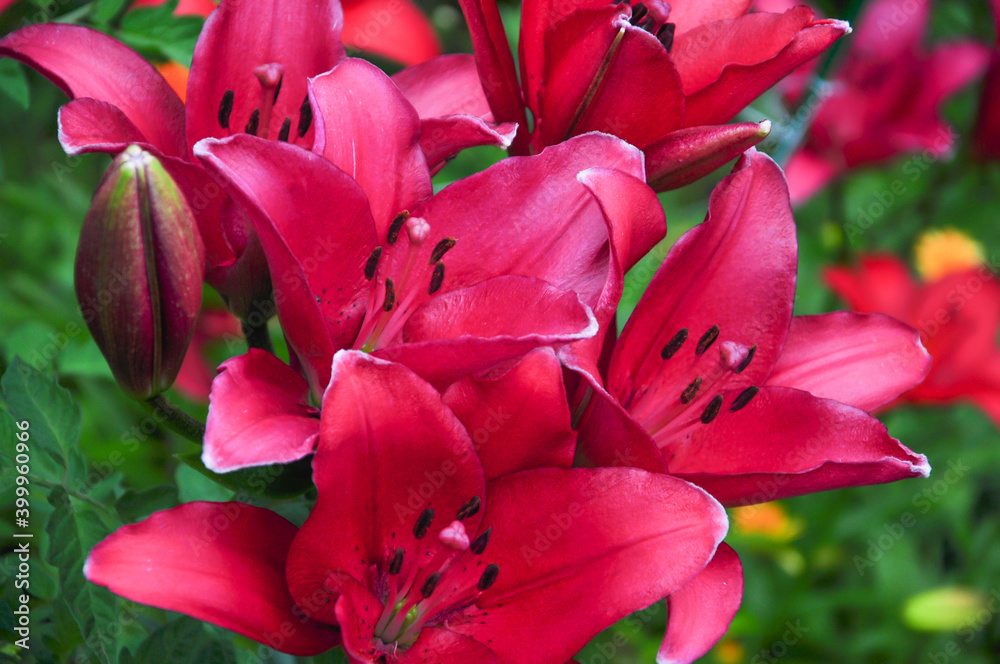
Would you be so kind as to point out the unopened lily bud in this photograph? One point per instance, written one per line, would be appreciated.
(139, 270)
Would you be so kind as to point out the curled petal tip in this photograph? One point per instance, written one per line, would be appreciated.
(842, 25)
(922, 467)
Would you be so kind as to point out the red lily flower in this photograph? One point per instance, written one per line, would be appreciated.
(411, 553)
(662, 77)
(715, 369)
(885, 97)
(714, 381)
(987, 138)
(256, 87)
(957, 314)
(442, 289)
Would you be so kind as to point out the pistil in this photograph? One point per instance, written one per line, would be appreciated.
(392, 298)
(270, 77)
(426, 593)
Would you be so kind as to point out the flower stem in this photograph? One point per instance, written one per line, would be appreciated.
(179, 421)
(258, 336)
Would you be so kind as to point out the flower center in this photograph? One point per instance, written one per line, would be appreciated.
(426, 592)
(700, 400)
(393, 296)
(270, 77)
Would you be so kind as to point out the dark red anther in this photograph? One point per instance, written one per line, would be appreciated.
(712, 409)
(396, 226)
(479, 544)
(666, 35)
(744, 398)
(639, 12)
(437, 278)
(396, 563)
(286, 129)
(431, 584)
(277, 89)
(674, 344)
(390, 295)
(440, 249)
(707, 340)
(226, 108)
(305, 116)
(371, 265)
(746, 360)
(423, 523)
(489, 577)
(691, 391)
(468, 509)
(253, 122)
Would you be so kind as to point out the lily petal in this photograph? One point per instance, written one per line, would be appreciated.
(541, 203)
(87, 63)
(445, 85)
(636, 222)
(518, 419)
(454, 113)
(715, 275)
(786, 442)
(259, 414)
(441, 139)
(689, 14)
(472, 329)
(367, 128)
(743, 77)
(379, 418)
(618, 538)
(209, 561)
(89, 125)
(238, 37)
(700, 612)
(828, 355)
(316, 230)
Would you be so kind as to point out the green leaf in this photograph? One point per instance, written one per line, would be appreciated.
(53, 422)
(137, 505)
(14, 83)
(105, 10)
(273, 481)
(158, 34)
(193, 486)
(73, 531)
(83, 359)
(183, 641)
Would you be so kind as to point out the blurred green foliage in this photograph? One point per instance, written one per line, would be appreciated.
(898, 574)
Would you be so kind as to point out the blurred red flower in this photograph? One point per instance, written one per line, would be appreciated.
(987, 138)
(956, 309)
(884, 98)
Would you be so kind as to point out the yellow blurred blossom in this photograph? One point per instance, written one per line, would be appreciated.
(767, 519)
(939, 253)
(730, 652)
